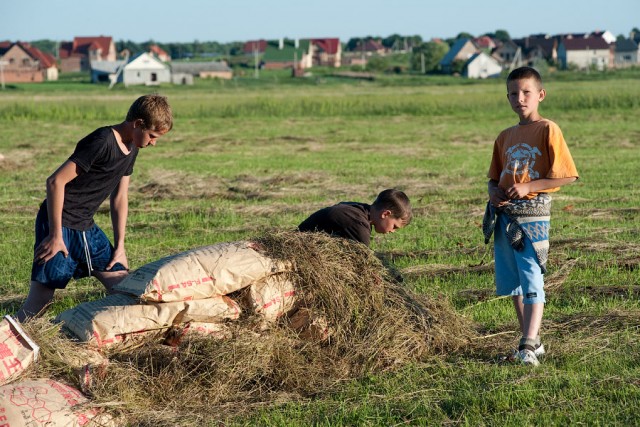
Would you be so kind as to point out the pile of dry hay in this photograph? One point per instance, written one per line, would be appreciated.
(376, 324)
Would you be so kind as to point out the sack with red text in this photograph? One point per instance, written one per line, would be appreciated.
(204, 272)
(45, 402)
(121, 321)
(17, 350)
(272, 297)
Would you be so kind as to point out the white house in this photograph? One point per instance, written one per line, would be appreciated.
(145, 69)
(627, 53)
(482, 66)
(585, 53)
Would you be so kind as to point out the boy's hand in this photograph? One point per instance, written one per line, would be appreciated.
(497, 197)
(518, 190)
(48, 248)
(119, 255)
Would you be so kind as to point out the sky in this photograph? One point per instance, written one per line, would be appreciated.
(184, 21)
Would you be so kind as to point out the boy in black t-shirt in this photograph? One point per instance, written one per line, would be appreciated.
(351, 220)
(68, 242)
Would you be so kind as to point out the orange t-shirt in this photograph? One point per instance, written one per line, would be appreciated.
(524, 153)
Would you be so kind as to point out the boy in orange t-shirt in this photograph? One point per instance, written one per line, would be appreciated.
(529, 161)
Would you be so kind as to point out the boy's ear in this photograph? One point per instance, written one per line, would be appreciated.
(386, 214)
(543, 94)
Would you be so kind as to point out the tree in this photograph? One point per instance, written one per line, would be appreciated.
(392, 42)
(378, 64)
(429, 54)
(46, 45)
(464, 35)
(502, 35)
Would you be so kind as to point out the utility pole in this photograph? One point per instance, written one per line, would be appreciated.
(422, 65)
(2, 64)
(255, 60)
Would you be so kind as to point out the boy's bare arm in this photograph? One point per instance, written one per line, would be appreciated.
(119, 213)
(56, 183)
(521, 189)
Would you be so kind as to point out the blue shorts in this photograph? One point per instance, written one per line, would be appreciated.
(57, 272)
(517, 272)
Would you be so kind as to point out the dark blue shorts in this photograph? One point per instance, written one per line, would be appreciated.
(57, 272)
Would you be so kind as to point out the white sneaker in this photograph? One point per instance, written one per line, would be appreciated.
(528, 357)
(539, 351)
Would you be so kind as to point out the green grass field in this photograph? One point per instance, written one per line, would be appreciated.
(248, 156)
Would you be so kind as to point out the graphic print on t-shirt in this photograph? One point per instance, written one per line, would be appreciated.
(521, 160)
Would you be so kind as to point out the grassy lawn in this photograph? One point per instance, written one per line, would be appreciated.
(251, 155)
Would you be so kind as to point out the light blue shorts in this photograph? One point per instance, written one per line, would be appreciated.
(517, 272)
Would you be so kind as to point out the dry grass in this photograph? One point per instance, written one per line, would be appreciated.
(376, 325)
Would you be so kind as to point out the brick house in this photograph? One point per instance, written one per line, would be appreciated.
(78, 54)
(326, 52)
(461, 51)
(23, 63)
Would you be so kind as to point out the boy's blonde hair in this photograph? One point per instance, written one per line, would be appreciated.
(154, 111)
(395, 201)
(525, 73)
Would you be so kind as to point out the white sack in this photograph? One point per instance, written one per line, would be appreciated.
(200, 273)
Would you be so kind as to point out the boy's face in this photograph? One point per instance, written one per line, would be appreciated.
(145, 137)
(525, 95)
(384, 222)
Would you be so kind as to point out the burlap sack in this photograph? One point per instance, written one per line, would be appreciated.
(272, 297)
(45, 402)
(200, 273)
(123, 321)
(17, 350)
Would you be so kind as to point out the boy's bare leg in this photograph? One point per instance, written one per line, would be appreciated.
(39, 297)
(529, 317)
(519, 306)
(110, 278)
(532, 320)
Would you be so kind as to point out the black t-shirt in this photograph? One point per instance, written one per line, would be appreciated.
(349, 220)
(103, 165)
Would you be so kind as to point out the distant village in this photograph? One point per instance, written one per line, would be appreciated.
(471, 57)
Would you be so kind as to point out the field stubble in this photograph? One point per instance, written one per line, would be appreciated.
(239, 162)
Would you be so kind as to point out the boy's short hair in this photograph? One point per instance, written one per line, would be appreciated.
(395, 201)
(525, 73)
(154, 111)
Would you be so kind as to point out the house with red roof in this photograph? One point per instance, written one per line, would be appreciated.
(23, 63)
(159, 53)
(294, 53)
(485, 43)
(326, 52)
(78, 54)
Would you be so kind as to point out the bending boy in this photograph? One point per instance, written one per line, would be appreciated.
(68, 242)
(352, 220)
(530, 160)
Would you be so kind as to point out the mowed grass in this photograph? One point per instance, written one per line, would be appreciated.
(245, 157)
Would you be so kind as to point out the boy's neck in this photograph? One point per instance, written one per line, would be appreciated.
(529, 120)
(124, 134)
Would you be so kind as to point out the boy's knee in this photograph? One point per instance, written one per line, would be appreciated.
(39, 297)
(110, 278)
